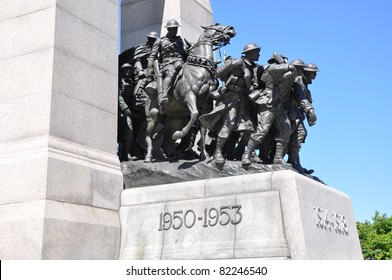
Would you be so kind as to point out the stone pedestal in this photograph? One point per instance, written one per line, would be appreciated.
(139, 17)
(60, 179)
(272, 215)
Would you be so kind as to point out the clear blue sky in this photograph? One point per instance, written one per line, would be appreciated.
(351, 42)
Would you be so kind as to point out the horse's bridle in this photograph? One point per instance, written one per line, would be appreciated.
(222, 37)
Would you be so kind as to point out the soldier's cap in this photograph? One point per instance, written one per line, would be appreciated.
(311, 67)
(172, 23)
(153, 34)
(272, 59)
(250, 47)
(298, 62)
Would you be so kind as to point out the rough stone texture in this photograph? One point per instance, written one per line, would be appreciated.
(58, 107)
(139, 174)
(279, 220)
(152, 15)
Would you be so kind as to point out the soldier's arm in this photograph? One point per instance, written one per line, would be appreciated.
(281, 71)
(153, 55)
(304, 103)
(300, 97)
(309, 96)
(228, 68)
(121, 102)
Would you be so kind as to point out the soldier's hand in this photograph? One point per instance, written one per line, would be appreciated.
(311, 115)
(126, 112)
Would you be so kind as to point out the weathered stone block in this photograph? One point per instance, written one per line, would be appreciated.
(88, 84)
(83, 124)
(97, 13)
(77, 38)
(273, 215)
(28, 33)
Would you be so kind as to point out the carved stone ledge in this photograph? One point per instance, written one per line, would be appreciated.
(140, 174)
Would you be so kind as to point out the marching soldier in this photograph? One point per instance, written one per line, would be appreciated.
(298, 106)
(239, 77)
(125, 130)
(278, 78)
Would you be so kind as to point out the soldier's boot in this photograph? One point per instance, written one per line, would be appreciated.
(247, 156)
(293, 159)
(279, 153)
(218, 156)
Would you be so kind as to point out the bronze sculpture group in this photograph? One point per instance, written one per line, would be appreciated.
(169, 89)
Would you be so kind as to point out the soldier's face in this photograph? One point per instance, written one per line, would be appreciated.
(151, 41)
(310, 76)
(172, 30)
(300, 70)
(127, 73)
(253, 55)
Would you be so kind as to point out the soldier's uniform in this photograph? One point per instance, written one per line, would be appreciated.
(125, 129)
(142, 53)
(239, 77)
(278, 79)
(297, 105)
(171, 52)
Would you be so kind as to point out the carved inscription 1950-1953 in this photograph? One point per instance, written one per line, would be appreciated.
(224, 215)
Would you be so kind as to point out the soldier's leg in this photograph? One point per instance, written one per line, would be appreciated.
(169, 73)
(293, 146)
(125, 135)
(282, 124)
(265, 119)
(224, 133)
(302, 133)
(229, 148)
(139, 125)
(241, 146)
(267, 146)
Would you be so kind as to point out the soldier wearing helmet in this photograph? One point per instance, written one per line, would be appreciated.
(231, 114)
(297, 106)
(277, 77)
(135, 100)
(310, 72)
(142, 52)
(125, 129)
(171, 51)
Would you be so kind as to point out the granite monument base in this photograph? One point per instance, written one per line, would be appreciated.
(272, 215)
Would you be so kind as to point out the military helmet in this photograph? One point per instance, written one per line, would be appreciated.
(298, 62)
(250, 47)
(172, 23)
(311, 67)
(273, 59)
(153, 34)
(126, 65)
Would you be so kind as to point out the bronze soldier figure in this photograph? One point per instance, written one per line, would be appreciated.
(239, 78)
(141, 79)
(125, 130)
(278, 78)
(297, 106)
(171, 52)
